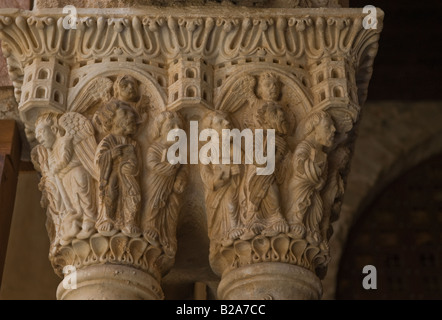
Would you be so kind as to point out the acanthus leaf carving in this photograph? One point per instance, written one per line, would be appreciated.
(91, 190)
(287, 216)
(111, 194)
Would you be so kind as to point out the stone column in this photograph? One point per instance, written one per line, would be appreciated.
(99, 92)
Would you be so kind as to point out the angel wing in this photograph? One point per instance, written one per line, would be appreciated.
(83, 137)
(97, 90)
(241, 92)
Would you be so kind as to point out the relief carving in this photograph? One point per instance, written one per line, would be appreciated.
(64, 157)
(222, 183)
(166, 183)
(309, 164)
(127, 89)
(117, 161)
(260, 197)
(294, 227)
(333, 192)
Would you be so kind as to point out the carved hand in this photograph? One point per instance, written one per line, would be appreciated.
(117, 152)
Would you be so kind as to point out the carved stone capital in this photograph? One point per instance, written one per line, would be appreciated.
(156, 43)
(99, 98)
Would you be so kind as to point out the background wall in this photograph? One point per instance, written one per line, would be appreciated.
(401, 127)
(28, 273)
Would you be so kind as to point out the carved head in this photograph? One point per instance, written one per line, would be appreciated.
(319, 127)
(117, 117)
(273, 116)
(269, 87)
(126, 88)
(46, 129)
(164, 123)
(217, 120)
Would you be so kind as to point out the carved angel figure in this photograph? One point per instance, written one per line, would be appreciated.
(64, 156)
(309, 164)
(51, 200)
(221, 182)
(118, 167)
(126, 89)
(166, 182)
(260, 202)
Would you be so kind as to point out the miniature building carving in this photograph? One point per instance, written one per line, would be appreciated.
(99, 101)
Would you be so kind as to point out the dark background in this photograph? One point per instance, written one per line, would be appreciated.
(408, 65)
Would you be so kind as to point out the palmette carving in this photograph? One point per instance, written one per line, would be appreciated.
(117, 249)
(301, 72)
(219, 37)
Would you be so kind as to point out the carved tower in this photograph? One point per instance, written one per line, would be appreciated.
(98, 101)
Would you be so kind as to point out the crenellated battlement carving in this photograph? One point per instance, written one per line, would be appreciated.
(99, 101)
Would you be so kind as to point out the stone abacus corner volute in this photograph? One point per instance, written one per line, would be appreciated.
(97, 96)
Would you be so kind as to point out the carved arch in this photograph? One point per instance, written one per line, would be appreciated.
(298, 91)
(157, 94)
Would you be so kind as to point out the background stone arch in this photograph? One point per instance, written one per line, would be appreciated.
(393, 137)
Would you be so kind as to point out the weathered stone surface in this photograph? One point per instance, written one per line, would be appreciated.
(181, 3)
(22, 282)
(99, 106)
(9, 110)
(22, 4)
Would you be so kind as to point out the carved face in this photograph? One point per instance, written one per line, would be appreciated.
(276, 119)
(45, 136)
(325, 132)
(128, 89)
(124, 122)
(270, 89)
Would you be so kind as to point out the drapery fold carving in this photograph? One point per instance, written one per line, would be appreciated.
(99, 101)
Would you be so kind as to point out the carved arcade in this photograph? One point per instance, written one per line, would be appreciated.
(98, 103)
